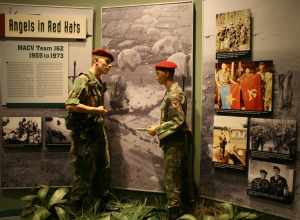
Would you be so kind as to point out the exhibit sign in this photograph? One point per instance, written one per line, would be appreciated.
(34, 72)
(38, 26)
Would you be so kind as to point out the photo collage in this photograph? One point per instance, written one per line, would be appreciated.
(245, 135)
(32, 131)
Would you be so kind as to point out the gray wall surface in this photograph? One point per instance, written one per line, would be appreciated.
(275, 34)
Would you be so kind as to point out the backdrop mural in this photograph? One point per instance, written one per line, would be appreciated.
(139, 37)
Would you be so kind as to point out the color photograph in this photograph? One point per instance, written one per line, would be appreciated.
(230, 142)
(244, 86)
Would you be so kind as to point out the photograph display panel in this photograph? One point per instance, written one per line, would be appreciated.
(233, 39)
(230, 142)
(21, 131)
(139, 38)
(244, 86)
(273, 138)
(270, 180)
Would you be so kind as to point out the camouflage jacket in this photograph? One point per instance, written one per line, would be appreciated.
(87, 90)
(173, 111)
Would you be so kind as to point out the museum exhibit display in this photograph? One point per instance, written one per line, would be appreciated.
(140, 36)
(44, 47)
(266, 94)
(237, 63)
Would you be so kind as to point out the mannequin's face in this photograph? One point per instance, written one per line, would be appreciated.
(161, 76)
(102, 65)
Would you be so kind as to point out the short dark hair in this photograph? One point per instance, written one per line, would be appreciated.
(276, 168)
(263, 171)
(171, 71)
(96, 57)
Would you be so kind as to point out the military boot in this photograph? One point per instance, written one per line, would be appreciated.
(174, 213)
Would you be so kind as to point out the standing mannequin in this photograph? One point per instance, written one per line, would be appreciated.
(90, 153)
(171, 132)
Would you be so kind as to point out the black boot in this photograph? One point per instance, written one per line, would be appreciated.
(174, 213)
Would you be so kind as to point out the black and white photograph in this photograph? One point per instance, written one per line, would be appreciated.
(230, 142)
(233, 37)
(139, 38)
(56, 132)
(271, 180)
(21, 131)
(273, 138)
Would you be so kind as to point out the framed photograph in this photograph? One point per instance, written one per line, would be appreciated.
(139, 37)
(230, 142)
(56, 132)
(271, 180)
(273, 138)
(233, 38)
(22, 131)
(244, 87)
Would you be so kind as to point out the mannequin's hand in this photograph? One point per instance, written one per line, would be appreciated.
(100, 110)
(152, 130)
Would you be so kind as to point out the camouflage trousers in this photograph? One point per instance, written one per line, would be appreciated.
(173, 163)
(91, 163)
(179, 179)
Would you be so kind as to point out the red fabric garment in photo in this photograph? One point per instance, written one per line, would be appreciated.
(251, 86)
(235, 101)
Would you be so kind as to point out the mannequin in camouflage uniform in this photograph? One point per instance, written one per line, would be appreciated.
(171, 133)
(90, 152)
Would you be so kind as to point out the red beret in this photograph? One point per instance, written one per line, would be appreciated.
(103, 53)
(166, 65)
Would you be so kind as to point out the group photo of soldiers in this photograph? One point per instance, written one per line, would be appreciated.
(230, 141)
(244, 86)
(56, 131)
(233, 31)
(21, 130)
(273, 135)
(270, 179)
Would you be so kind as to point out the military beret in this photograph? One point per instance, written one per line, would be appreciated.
(263, 171)
(103, 53)
(166, 65)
